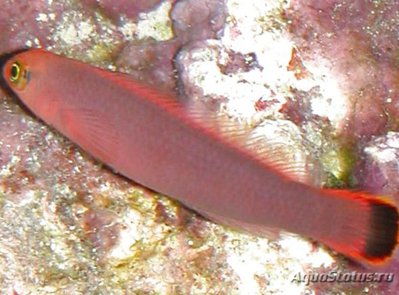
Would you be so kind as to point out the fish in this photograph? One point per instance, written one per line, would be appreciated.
(149, 137)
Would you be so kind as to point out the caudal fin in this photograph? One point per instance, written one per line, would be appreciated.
(383, 232)
(365, 228)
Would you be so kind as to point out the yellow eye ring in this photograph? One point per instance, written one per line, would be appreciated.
(18, 75)
(15, 72)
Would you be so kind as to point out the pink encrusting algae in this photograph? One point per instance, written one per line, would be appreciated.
(146, 136)
(359, 40)
(130, 9)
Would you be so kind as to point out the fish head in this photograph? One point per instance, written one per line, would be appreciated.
(28, 75)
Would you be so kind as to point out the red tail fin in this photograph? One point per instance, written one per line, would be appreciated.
(383, 232)
(370, 234)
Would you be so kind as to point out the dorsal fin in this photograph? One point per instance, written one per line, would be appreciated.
(160, 96)
(276, 143)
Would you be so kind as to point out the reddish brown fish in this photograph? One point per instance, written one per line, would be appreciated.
(148, 137)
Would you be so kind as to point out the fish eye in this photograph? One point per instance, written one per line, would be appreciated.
(15, 71)
(19, 75)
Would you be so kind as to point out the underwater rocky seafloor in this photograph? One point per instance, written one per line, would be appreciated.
(317, 77)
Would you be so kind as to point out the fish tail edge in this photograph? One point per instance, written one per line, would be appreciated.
(383, 236)
(373, 238)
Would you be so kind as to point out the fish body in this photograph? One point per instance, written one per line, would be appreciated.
(148, 137)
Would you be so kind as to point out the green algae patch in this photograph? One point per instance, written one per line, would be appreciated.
(339, 163)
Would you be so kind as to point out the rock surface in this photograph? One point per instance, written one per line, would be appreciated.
(319, 77)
